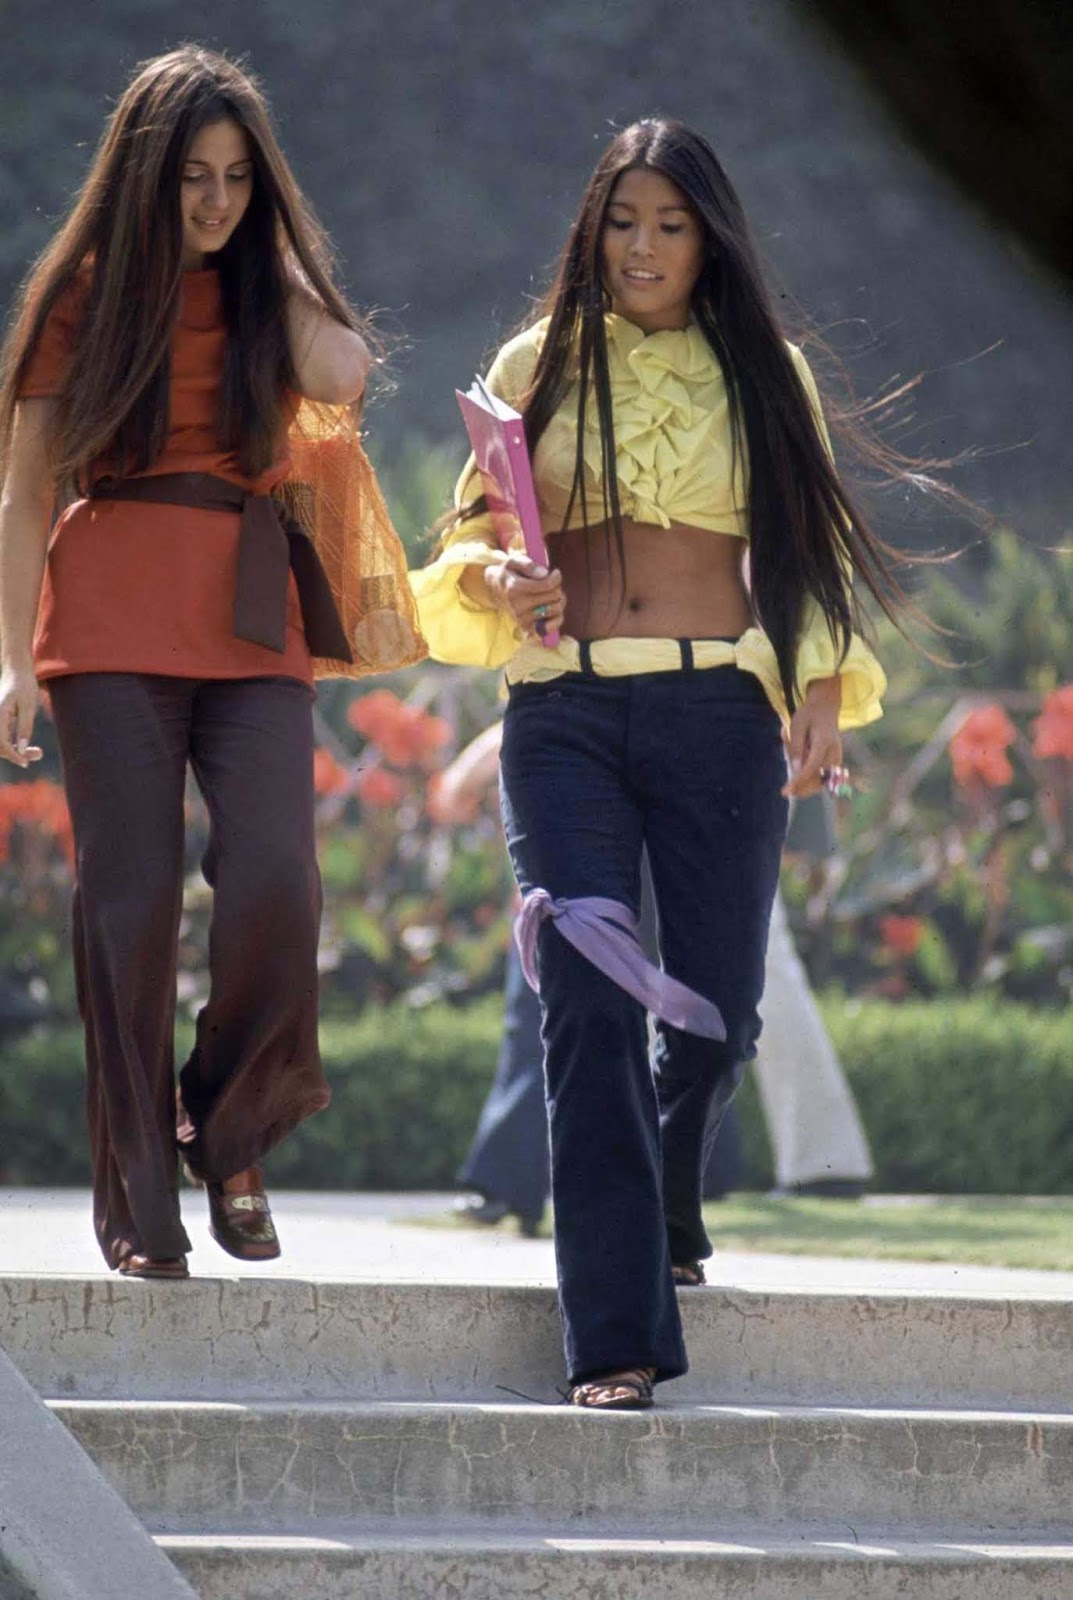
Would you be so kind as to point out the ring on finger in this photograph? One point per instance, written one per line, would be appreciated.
(541, 612)
(837, 781)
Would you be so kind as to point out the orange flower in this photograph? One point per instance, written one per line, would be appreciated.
(406, 735)
(329, 777)
(978, 748)
(373, 713)
(41, 805)
(902, 935)
(379, 788)
(1054, 727)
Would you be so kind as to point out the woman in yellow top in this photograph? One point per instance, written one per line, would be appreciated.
(673, 431)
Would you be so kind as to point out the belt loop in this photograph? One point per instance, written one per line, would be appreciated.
(686, 647)
(584, 653)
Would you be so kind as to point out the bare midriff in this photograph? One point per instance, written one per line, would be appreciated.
(680, 582)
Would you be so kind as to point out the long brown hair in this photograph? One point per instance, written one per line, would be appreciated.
(122, 242)
(803, 522)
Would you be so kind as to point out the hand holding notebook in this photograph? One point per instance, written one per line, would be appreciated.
(497, 435)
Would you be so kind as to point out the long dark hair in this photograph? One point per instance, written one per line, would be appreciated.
(122, 242)
(802, 521)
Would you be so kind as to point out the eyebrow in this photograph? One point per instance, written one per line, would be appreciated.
(196, 161)
(629, 205)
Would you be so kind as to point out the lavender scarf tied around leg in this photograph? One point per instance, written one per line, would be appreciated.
(605, 932)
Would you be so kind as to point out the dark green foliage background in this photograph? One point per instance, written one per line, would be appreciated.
(963, 1097)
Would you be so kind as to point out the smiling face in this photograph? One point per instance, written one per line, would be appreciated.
(217, 183)
(653, 250)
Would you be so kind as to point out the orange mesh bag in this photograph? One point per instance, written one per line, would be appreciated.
(332, 490)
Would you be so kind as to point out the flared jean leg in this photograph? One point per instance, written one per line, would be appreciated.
(574, 828)
(123, 744)
(615, 1287)
(255, 1070)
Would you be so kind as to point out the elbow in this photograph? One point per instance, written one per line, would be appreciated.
(342, 376)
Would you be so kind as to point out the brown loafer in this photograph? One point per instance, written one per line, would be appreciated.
(239, 1218)
(137, 1266)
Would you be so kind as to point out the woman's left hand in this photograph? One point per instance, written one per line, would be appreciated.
(814, 744)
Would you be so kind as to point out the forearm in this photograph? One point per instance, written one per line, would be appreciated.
(826, 695)
(25, 517)
(475, 768)
(23, 542)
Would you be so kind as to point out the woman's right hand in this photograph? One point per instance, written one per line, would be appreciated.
(519, 586)
(18, 705)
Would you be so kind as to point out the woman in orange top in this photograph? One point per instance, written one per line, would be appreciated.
(162, 346)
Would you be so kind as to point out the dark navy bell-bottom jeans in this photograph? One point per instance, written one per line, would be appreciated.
(688, 764)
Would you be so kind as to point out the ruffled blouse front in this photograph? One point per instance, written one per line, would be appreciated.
(673, 447)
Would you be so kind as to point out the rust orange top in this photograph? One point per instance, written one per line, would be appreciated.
(131, 587)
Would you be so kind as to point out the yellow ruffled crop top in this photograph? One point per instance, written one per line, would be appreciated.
(675, 464)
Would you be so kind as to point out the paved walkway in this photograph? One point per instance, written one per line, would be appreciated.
(379, 1237)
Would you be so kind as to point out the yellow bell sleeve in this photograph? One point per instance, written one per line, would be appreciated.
(459, 630)
(863, 680)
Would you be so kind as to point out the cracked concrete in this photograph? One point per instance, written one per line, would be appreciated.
(248, 1339)
(253, 1466)
(500, 1568)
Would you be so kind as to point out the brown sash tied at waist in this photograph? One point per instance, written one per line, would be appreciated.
(271, 545)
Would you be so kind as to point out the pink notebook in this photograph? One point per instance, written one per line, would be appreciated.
(498, 439)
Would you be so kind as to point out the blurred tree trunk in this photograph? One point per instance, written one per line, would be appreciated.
(985, 88)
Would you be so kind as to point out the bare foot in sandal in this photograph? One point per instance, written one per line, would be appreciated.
(629, 1390)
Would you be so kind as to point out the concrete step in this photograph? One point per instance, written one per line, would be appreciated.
(383, 1564)
(262, 1338)
(254, 1466)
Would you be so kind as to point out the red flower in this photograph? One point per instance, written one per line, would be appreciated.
(978, 748)
(373, 713)
(902, 935)
(329, 777)
(41, 805)
(379, 788)
(1054, 727)
(406, 735)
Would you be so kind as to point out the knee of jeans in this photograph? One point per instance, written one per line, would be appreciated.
(687, 1058)
(570, 986)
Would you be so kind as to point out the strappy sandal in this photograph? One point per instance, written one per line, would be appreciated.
(689, 1275)
(139, 1266)
(637, 1381)
(240, 1220)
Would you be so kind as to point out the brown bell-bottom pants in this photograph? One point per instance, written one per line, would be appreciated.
(254, 1073)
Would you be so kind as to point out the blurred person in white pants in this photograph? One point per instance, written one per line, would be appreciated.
(817, 1142)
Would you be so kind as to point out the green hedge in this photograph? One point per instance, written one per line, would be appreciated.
(963, 1096)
